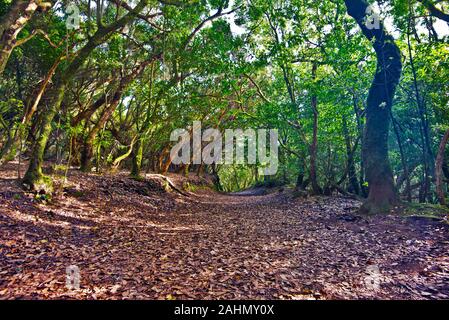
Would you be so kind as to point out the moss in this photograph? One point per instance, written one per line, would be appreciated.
(78, 194)
(137, 158)
(11, 155)
(299, 194)
(45, 184)
(17, 196)
(187, 186)
(166, 186)
(137, 178)
(60, 168)
(372, 208)
(425, 210)
(407, 210)
(44, 198)
(38, 182)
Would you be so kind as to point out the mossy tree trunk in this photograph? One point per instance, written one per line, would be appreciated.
(439, 169)
(137, 156)
(34, 174)
(351, 172)
(316, 189)
(34, 177)
(382, 192)
(12, 23)
(434, 11)
(87, 153)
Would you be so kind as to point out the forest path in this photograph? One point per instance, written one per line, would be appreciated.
(130, 243)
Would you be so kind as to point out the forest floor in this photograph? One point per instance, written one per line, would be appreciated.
(133, 240)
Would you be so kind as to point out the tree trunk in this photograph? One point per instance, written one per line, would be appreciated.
(125, 81)
(34, 175)
(382, 193)
(216, 178)
(446, 169)
(18, 15)
(200, 170)
(314, 145)
(403, 161)
(137, 156)
(439, 169)
(360, 129)
(352, 177)
(34, 178)
(427, 153)
(87, 152)
(166, 165)
(434, 11)
(300, 180)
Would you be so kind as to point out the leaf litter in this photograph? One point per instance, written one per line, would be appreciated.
(135, 240)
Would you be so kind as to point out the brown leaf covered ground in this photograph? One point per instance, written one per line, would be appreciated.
(133, 240)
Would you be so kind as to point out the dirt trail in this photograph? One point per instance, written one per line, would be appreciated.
(131, 241)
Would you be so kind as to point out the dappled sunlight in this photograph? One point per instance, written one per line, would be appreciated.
(224, 150)
(236, 246)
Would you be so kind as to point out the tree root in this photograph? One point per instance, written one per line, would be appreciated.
(169, 183)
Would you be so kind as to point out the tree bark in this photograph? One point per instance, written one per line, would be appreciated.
(165, 160)
(439, 169)
(382, 193)
(434, 11)
(403, 161)
(137, 156)
(427, 153)
(34, 173)
(314, 145)
(12, 23)
(87, 152)
(352, 177)
(360, 128)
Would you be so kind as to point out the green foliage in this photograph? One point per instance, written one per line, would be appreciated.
(253, 68)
